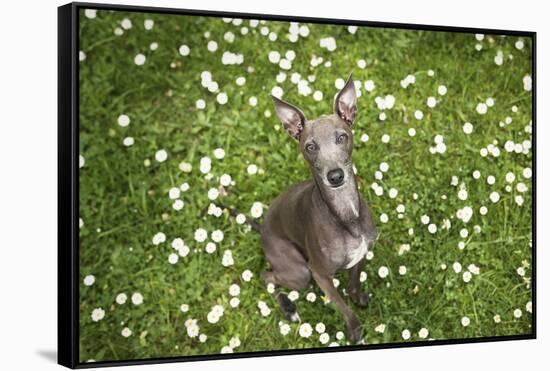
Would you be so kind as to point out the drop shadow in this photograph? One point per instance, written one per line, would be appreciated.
(50, 355)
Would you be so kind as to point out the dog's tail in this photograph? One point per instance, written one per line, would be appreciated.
(234, 212)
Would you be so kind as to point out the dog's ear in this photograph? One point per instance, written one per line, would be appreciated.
(292, 118)
(345, 103)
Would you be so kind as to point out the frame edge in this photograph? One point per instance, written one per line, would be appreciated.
(67, 276)
(292, 18)
(68, 322)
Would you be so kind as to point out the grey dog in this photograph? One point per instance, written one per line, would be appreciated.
(322, 225)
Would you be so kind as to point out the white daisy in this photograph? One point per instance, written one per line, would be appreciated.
(126, 332)
(137, 298)
(98, 314)
(234, 302)
(284, 329)
(121, 298)
(383, 272)
(217, 236)
(247, 275)
(423, 333)
(305, 330)
(234, 290)
(201, 235)
(139, 59)
(161, 155)
(256, 210)
(89, 280)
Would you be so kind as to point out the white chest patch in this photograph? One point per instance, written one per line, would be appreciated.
(355, 255)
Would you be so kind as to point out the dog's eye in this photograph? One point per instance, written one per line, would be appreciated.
(310, 147)
(341, 138)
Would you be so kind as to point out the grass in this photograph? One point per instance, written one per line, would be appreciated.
(124, 198)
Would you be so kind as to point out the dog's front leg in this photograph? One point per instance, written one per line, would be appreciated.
(353, 325)
(359, 297)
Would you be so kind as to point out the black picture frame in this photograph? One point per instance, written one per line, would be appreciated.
(68, 182)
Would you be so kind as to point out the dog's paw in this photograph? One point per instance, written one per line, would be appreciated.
(294, 317)
(288, 307)
(355, 332)
(361, 299)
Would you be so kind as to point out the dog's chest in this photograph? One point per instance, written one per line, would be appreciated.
(356, 253)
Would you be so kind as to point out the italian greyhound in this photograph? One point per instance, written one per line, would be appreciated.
(320, 226)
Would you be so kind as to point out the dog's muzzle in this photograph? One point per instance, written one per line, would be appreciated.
(335, 177)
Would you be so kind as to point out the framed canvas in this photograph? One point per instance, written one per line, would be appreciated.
(243, 185)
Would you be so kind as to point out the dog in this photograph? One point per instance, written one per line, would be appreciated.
(322, 225)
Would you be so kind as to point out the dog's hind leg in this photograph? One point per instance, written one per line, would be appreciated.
(287, 306)
(288, 270)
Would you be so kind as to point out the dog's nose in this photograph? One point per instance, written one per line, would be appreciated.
(335, 177)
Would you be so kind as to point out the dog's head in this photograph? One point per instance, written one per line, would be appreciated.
(326, 142)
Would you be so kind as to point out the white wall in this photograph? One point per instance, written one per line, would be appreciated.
(28, 181)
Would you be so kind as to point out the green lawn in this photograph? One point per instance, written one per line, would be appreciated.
(125, 191)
